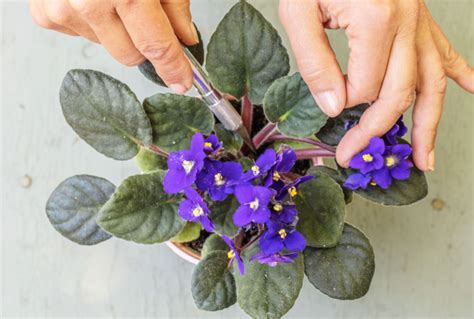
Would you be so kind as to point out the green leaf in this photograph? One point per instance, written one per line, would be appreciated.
(141, 211)
(73, 206)
(400, 193)
(246, 163)
(345, 271)
(221, 214)
(147, 161)
(290, 105)
(212, 284)
(334, 174)
(105, 113)
(213, 243)
(268, 292)
(336, 127)
(190, 232)
(148, 70)
(322, 210)
(245, 54)
(175, 119)
(231, 141)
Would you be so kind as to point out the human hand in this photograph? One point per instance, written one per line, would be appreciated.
(130, 30)
(397, 49)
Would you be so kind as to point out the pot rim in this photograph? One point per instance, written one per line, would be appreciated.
(184, 252)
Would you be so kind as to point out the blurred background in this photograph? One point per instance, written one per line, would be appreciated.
(424, 264)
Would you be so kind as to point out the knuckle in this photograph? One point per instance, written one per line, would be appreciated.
(85, 8)
(314, 73)
(132, 59)
(44, 23)
(383, 11)
(440, 83)
(57, 11)
(165, 52)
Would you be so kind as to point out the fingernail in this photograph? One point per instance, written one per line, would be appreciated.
(194, 33)
(431, 161)
(178, 88)
(328, 101)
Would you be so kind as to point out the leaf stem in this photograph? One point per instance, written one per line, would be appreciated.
(155, 149)
(309, 153)
(281, 137)
(246, 111)
(264, 135)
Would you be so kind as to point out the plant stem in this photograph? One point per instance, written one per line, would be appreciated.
(246, 112)
(265, 133)
(309, 153)
(155, 149)
(281, 137)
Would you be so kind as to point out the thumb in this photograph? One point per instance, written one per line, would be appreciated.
(314, 56)
(179, 15)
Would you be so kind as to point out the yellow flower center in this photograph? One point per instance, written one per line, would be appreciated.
(389, 161)
(219, 179)
(367, 158)
(282, 233)
(230, 254)
(254, 204)
(255, 170)
(292, 191)
(277, 207)
(197, 211)
(188, 166)
(208, 145)
(373, 183)
(276, 177)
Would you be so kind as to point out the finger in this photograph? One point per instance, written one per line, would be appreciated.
(179, 16)
(153, 36)
(454, 64)
(41, 19)
(61, 13)
(109, 29)
(395, 97)
(431, 89)
(314, 56)
(370, 40)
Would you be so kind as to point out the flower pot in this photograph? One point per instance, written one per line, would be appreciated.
(184, 252)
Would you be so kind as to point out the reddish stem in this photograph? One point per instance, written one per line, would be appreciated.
(309, 153)
(281, 137)
(246, 111)
(155, 149)
(264, 135)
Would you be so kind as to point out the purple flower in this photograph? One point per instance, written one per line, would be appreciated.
(253, 205)
(273, 259)
(398, 130)
(279, 236)
(234, 254)
(285, 161)
(212, 144)
(357, 180)
(283, 213)
(194, 209)
(263, 164)
(397, 166)
(370, 158)
(219, 178)
(292, 188)
(183, 166)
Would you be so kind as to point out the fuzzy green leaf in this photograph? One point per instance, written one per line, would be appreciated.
(190, 232)
(212, 284)
(231, 141)
(322, 210)
(175, 119)
(268, 292)
(290, 105)
(334, 174)
(336, 127)
(221, 215)
(73, 206)
(148, 70)
(147, 161)
(245, 54)
(213, 243)
(141, 211)
(105, 113)
(400, 193)
(345, 271)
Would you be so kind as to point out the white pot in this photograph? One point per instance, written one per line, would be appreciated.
(184, 252)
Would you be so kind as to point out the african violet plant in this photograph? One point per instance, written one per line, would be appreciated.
(265, 218)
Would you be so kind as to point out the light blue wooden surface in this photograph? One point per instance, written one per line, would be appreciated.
(423, 256)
